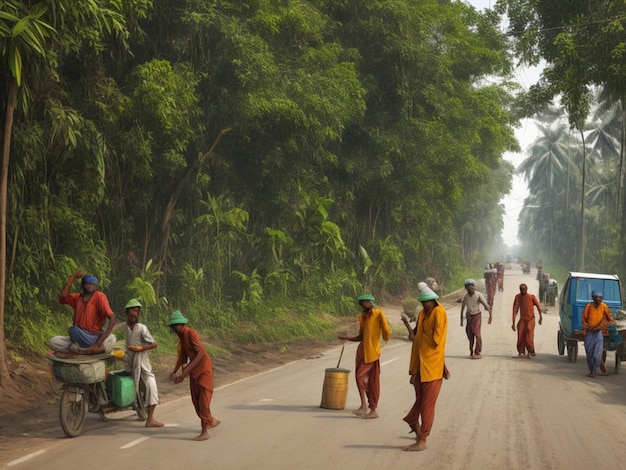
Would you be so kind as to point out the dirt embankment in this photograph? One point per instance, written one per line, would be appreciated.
(33, 386)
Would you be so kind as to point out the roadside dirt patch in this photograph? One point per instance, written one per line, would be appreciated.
(29, 409)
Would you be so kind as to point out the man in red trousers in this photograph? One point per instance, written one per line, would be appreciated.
(524, 303)
(196, 364)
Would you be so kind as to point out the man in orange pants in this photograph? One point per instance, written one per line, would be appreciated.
(196, 364)
(525, 303)
(372, 324)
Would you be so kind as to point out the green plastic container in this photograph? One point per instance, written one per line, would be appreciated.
(122, 389)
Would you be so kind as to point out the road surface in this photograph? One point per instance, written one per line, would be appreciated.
(500, 412)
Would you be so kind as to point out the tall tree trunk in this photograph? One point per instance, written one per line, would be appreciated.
(4, 182)
(621, 194)
(166, 220)
(583, 241)
(620, 173)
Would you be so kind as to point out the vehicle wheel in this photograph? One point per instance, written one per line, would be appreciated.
(560, 342)
(72, 410)
(572, 350)
(618, 357)
(140, 402)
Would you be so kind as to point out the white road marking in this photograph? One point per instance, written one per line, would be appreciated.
(135, 442)
(245, 379)
(26, 458)
(389, 361)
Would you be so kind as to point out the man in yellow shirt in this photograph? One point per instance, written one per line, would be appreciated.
(372, 324)
(427, 365)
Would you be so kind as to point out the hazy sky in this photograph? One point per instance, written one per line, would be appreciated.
(526, 134)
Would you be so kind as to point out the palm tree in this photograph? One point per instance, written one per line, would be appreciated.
(607, 137)
(549, 169)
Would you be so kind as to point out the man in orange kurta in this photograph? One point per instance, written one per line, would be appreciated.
(596, 319)
(525, 303)
(427, 365)
(372, 324)
(196, 364)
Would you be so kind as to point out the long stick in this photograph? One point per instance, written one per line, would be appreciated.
(339, 361)
(405, 320)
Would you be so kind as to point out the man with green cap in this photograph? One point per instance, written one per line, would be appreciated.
(372, 324)
(138, 342)
(196, 364)
(427, 367)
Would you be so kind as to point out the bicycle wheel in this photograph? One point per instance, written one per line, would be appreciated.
(72, 409)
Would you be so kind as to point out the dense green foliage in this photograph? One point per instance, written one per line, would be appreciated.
(252, 163)
(576, 213)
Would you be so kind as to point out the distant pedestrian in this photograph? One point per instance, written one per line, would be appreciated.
(525, 303)
(196, 364)
(427, 367)
(596, 319)
(471, 303)
(491, 281)
(372, 324)
(500, 268)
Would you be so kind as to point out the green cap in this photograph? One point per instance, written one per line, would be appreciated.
(424, 296)
(369, 297)
(133, 303)
(426, 293)
(177, 318)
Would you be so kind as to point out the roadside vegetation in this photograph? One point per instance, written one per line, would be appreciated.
(258, 165)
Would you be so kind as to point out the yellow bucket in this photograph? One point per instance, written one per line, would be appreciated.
(335, 390)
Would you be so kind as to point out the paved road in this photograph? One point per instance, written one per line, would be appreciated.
(496, 413)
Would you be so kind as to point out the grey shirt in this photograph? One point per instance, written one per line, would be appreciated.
(472, 303)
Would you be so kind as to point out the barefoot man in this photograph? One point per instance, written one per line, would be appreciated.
(196, 364)
(372, 324)
(427, 365)
(471, 305)
(138, 342)
(596, 318)
(525, 304)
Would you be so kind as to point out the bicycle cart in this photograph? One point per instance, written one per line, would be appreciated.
(89, 386)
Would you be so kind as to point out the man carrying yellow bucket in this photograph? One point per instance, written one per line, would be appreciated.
(372, 324)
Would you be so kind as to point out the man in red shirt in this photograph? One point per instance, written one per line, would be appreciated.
(525, 303)
(90, 333)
